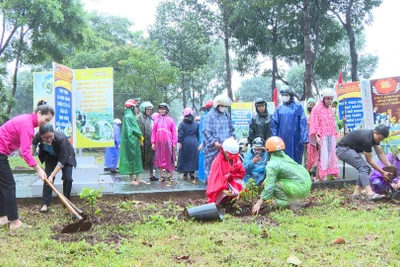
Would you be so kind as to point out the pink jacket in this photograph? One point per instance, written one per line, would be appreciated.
(18, 133)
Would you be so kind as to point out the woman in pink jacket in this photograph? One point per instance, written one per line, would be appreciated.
(17, 133)
(163, 140)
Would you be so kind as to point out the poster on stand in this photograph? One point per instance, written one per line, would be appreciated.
(386, 106)
(241, 113)
(43, 88)
(350, 105)
(94, 107)
(63, 77)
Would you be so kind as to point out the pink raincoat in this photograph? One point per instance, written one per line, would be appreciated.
(164, 137)
(322, 122)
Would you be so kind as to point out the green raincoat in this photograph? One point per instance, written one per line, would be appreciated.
(286, 181)
(130, 161)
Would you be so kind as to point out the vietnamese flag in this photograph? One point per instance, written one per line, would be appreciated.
(275, 97)
(340, 80)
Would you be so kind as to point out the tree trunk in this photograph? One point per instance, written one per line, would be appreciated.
(353, 50)
(274, 74)
(228, 80)
(307, 52)
(17, 61)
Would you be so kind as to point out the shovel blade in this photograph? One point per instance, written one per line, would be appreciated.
(79, 226)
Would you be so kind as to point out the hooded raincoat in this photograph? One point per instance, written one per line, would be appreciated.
(217, 127)
(188, 136)
(200, 173)
(289, 123)
(146, 126)
(380, 185)
(286, 181)
(112, 153)
(224, 175)
(322, 123)
(260, 126)
(255, 170)
(130, 161)
(164, 138)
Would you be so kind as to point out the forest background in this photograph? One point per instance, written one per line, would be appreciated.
(188, 54)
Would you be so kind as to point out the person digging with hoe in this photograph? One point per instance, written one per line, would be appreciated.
(286, 181)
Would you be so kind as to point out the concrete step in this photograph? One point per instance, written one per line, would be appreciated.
(102, 181)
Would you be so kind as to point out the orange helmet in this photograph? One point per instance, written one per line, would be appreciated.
(274, 143)
(130, 103)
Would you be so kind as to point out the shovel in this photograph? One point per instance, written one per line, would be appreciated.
(80, 225)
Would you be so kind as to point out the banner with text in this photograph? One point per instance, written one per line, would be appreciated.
(350, 105)
(94, 105)
(386, 105)
(63, 77)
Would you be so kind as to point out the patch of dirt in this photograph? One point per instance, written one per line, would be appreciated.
(115, 214)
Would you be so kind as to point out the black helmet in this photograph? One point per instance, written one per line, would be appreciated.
(287, 90)
(258, 142)
(260, 101)
(164, 105)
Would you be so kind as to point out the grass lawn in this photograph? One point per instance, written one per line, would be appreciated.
(156, 233)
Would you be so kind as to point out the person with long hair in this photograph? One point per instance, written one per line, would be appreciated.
(17, 133)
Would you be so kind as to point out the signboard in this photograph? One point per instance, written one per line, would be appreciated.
(385, 95)
(350, 105)
(241, 113)
(63, 77)
(94, 104)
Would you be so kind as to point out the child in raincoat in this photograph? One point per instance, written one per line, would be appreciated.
(163, 140)
(130, 162)
(286, 181)
(255, 161)
(226, 173)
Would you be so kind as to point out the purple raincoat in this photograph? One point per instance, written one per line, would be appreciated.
(378, 184)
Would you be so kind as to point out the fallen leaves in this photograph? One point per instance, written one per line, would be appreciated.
(339, 240)
(293, 260)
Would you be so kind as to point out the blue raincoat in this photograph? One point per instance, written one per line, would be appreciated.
(255, 170)
(217, 127)
(289, 123)
(200, 173)
(112, 153)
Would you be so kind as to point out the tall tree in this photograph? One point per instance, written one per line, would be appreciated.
(35, 31)
(353, 15)
(253, 88)
(182, 32)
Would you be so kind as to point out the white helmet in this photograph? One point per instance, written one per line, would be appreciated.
(117, 121)
(230, 145)
(222, 100)
(327, 93)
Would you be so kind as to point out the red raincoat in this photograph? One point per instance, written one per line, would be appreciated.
(222, 173)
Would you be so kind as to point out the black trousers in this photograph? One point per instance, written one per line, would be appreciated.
(8, 199)
(50, 164)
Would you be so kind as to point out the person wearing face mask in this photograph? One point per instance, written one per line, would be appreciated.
(286, 181)
(57, 153)
(323, 135)
(340, 123)
(217, 127)
(226, 173)
(260, 123)
(392, 185)
(290, 123)
(310, 106)
(17, 133)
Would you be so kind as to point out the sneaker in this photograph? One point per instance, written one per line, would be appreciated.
(153, 178)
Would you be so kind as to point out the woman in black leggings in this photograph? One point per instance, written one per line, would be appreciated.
(58, 154)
